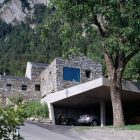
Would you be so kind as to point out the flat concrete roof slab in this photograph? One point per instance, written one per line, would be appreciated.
(91, 93)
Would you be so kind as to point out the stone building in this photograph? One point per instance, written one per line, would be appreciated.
(28, 87)
(62, 74)
(43, 79)
(76, 86)
(71, 87)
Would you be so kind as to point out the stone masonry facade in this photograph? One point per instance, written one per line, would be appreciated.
(43, 79)
(27, 87)
(52, 78)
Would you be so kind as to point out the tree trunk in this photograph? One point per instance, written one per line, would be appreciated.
(116, 91)
(115, 76)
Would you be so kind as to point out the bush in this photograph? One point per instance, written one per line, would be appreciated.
(36, 109)
(11, 118)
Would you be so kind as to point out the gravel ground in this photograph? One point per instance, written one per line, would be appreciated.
(108, 134)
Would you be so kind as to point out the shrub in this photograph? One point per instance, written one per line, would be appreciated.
(36, 109)
(11, 118)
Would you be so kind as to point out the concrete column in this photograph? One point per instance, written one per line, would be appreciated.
(102, 113)
(51, 113)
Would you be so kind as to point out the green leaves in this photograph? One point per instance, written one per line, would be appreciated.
(36, 109)
(118, 22)
(10, 118)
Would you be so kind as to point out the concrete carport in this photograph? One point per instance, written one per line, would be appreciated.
(93, 97)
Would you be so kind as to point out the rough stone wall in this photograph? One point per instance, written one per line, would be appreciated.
(11, 86)
(48, 79)
(52, 76)
(14, 11)
(33, 70)
(81, 62)
(36, 71)
(2, 100)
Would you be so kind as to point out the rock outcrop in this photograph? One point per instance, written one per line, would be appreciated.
(12, 11)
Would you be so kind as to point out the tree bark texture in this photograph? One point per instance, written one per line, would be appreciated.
(115, 76)
(115, 91)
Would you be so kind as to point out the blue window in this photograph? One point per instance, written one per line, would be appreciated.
(71, 74)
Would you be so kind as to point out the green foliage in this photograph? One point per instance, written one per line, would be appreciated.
(132, 70)
(116, 21)
(66, 38)
(70, 52)
(18, 46)
(36, 109)
(11, 118)
(65, 31)
(16, 99)
(21, 43)
(133, 127)
(39, 13)
(25, 4)
(4, 28)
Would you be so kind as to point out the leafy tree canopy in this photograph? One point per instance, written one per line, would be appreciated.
(118, 23)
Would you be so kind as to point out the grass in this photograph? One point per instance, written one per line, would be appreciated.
(133, 127)
(127, 127)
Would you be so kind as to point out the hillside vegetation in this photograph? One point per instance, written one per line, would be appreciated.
(24, 42)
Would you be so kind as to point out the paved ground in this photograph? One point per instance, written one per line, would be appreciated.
(108, 134)
(38, 131)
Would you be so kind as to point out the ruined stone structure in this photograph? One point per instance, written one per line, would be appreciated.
(43, 79)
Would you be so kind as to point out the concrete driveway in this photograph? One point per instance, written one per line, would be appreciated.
(38, 131)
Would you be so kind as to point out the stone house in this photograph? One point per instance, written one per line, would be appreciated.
(43, 79)
(73, 86)
(62, 74)
(76, 86)
(28, 87)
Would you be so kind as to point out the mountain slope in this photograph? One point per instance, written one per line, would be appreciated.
(12, 11)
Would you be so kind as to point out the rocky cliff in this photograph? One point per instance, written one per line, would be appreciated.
(12, 11)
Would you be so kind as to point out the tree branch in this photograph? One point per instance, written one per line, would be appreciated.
(99, 25)
(116, 59)
(129, 56)
(109, 59)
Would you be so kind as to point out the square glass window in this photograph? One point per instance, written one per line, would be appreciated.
(71, 74)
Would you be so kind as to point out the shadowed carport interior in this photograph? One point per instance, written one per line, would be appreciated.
(85, 99)
(94, 96)
(89, 102)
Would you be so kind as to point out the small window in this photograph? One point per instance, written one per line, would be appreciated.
(88, 73)
(8, 86)
(37, 87)
(24, 87)
(71, 74)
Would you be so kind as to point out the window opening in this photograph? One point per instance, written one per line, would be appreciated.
(24, 87)
(37, 87)
(8, 86)
(88, 73)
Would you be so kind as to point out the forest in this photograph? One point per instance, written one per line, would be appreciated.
(26, 42)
